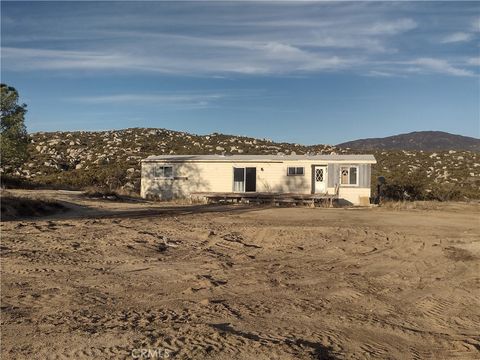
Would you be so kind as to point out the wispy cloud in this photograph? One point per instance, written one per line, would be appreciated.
(474, 61)
(30, 59)
(476, 24)
(438, 66)
(391, 27)
(177, 99)
(376, 73)
(457, 37)
(253, 58)
(265, 39)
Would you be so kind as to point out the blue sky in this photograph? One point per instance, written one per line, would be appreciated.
(307, 72)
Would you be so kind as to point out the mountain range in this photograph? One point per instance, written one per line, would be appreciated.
(418, 140)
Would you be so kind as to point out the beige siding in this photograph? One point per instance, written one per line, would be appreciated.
(354, 195)
(217, 176)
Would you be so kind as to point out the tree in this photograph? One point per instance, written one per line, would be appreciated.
(14, 137)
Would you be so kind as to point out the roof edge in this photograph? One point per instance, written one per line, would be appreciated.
(364, 158)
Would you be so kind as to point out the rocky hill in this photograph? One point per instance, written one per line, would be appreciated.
(112, 159)
(420, 140)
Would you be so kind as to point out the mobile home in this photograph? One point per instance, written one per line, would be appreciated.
(179, 176)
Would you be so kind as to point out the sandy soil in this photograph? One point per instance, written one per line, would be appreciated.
(106, 279)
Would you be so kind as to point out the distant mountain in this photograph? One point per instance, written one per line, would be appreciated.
(419, 140)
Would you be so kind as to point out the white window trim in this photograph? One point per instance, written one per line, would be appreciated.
(358, 175)
(296, 167)
(165, 177)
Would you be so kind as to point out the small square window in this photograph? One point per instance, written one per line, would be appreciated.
(292, 171)
(349, 175)
(163, 172)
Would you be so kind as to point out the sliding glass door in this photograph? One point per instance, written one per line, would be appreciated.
(245, 179)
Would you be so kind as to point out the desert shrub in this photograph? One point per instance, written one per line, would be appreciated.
(131, 193)
(96, 192)
(101, 193)
(454, 191)
(405, 187)
(411, 205)
(445, 192)
(111, 177)
(417, 189)
(115, 176)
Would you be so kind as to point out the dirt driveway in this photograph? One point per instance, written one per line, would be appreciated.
(241, 283)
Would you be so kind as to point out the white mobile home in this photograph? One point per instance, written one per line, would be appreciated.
(178, 176)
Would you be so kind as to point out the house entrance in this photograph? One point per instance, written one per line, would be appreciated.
(320, 179)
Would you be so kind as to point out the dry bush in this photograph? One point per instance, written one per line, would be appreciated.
(178, 201)
(128, 193)
(412, 205)
(100, 193)
(96, 192)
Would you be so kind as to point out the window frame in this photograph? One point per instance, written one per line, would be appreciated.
(349, 167)
(157, 168)
(296, 173)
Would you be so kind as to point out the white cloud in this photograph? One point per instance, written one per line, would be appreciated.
(283, 39)
(457, 37)
(277, 48)
(391, 27)
(439, 66)
(376, 73)
(230, 57)
(247, 58)
(170, 98)
(191, 100)
(474, 61)
(476, 25)
(27, 58)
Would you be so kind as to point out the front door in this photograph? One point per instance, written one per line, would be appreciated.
(320, 179)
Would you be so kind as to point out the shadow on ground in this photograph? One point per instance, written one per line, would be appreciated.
(319, 351)
(65, 210)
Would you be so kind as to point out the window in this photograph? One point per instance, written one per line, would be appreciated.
(349, 175)
(292, 171)
(163, 172)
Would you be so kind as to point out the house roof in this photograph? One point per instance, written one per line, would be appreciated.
(180, 158)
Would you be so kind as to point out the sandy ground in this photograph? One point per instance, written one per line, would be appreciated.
(107, 280)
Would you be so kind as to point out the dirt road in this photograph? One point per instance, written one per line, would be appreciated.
(236, 283)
